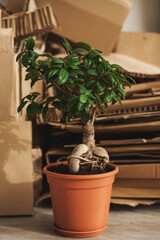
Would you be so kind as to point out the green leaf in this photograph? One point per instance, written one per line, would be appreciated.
(116, 66)
(101, 86)
(98, 97)
(83, 98)
(130, 78)
(90, 101)
(92, 72)
(71, 56)
(57, 60)
(33, 109)
(46, 55)
(122, 92)
(67, 45)
(50, 99)
(105, 63)
(82, 89)
(28, 76)
(119, 100)
(25, 60)
(81, 79)
(108, 98)
(31, 96)
(85, 45)
(73, 63)
(90, 84)
(87, 108)
(87, 62)
(62, 77)
(80, 106)
(84, 116)
(52, 73)
(98, 51)
(80, 50)
(73, 74)
(127, 82)
(30, 43)
(111, 77)
(23, 103)
(33, 56)
(58, 104)
(71, 102)
(113, 94)
(34, 80)
(91, 96)
(19, 55)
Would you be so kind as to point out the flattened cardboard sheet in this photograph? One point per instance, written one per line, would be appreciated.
(133, 202)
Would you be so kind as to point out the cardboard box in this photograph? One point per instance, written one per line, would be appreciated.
(97, 22)
(16, 168)
(141, 45)
(137, 181)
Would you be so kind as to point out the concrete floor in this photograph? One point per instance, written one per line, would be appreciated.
(125, 223)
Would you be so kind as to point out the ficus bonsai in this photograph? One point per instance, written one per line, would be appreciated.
(84, 83)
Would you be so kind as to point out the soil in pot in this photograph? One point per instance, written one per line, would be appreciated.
(84, 169)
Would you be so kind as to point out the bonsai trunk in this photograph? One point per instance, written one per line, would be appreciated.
(89, 134)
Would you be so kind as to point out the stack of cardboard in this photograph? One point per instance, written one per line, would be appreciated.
(131, 135)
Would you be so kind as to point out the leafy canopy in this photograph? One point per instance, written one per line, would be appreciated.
(83, 81)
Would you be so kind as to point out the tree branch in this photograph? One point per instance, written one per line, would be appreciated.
(93, 117)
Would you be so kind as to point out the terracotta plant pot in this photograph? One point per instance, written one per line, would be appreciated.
(80, 202)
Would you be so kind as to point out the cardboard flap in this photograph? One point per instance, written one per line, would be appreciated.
(114, 11)
(93, 21)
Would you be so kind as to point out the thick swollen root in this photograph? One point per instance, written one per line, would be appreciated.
(78, 158)
(74, 162)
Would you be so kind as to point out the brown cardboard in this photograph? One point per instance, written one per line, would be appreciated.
(141, 45)
(15, 6)
(139, 171)
(9, 79)
(153, 126)
(133, 202)
(93, 21)
(16, 168)
(137, 181)
(140, 192)
(133, 64)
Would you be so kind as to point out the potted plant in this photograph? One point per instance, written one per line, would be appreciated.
(85, 83)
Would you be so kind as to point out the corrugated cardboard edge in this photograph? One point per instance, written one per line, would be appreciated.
(133, 202)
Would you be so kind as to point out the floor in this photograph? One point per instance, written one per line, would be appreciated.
(125, 223)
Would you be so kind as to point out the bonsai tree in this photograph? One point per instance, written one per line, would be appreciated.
(85, 83)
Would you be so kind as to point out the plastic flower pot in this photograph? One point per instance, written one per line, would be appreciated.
(80, 202)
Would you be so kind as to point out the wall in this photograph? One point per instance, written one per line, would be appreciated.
(143, 17)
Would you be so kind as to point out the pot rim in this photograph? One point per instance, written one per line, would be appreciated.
(76, 177)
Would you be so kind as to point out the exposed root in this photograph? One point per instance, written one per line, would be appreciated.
(81, 155)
